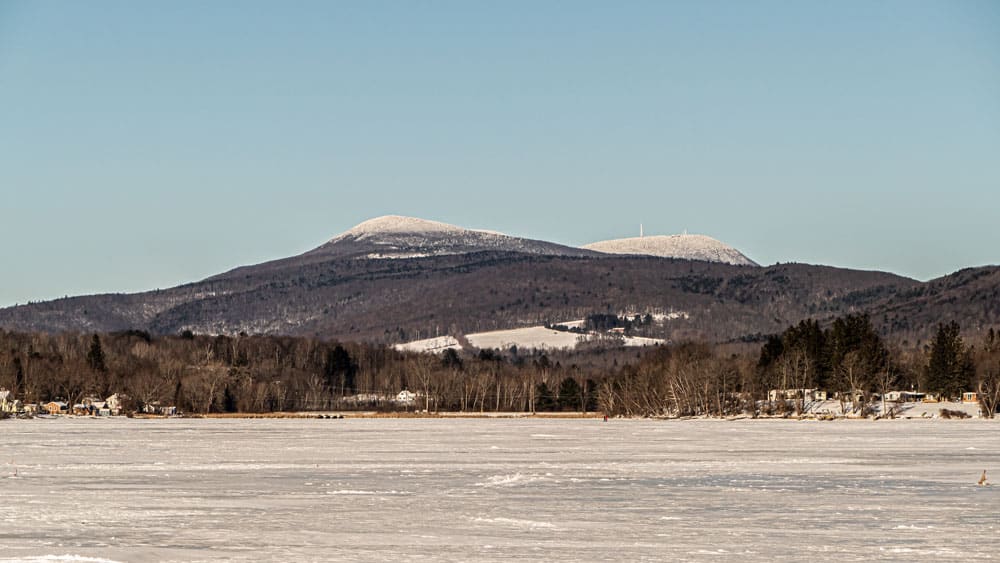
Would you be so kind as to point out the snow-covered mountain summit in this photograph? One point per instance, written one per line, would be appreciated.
(397, 224)
(687, 247)
(396, 236)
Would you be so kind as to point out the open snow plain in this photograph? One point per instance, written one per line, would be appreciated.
(498, 490)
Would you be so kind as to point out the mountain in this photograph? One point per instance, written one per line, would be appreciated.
(395, 237)
(685, 247)
(443, 279)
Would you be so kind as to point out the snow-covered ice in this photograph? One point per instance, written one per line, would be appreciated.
(498, 490)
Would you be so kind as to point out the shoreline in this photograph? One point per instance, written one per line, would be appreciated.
(500, 416)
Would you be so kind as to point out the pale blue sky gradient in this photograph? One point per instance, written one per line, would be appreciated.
(144, 145)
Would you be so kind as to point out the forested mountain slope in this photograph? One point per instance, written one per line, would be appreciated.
(396, 279)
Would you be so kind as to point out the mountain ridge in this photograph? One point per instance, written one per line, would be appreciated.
(397, 236)
(447, 281)
(685, 246)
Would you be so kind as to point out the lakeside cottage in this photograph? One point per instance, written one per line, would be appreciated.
(56, 407)
(114, 404)
(158, 409)
(406, 398)
(795, 394)
(8, 405)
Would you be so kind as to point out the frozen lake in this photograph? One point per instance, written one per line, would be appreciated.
(497, 490)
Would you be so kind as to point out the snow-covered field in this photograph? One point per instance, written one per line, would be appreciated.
(498, 490)
(533, 337)
(437, 344)
(537, 337)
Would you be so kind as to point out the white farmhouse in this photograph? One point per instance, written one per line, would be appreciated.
(793, 394)
(114, 404)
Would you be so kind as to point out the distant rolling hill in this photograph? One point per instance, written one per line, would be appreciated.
(396, 279)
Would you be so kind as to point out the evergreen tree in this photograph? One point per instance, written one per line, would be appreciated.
(340, 370)
(590, 395)
(808, 337)
(228, 401)
(771, 351)
(450, 359)
(543, 398)
(95, 357)
(179, 398)
(570, 394)
(852, 339)
(18, 375)
(949, 369)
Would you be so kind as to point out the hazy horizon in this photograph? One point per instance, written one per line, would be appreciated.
(149, 145)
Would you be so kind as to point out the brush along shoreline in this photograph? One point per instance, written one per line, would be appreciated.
(940, 411)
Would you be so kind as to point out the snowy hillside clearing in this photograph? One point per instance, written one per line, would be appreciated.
(432, 345)
(535, 337)
(530, 338)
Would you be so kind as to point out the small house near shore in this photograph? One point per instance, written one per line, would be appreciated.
(796, 394)
(56, 407)
(406, 397)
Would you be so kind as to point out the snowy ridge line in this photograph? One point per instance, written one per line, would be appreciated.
(398, 237)
(688, 247)
(399, 224)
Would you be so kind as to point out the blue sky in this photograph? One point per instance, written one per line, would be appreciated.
(143, 145)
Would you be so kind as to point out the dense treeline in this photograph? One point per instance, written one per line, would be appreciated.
(848, 360)
(202, 374)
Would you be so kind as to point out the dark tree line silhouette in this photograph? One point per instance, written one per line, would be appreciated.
(253, 374)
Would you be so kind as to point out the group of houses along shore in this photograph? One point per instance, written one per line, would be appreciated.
(820, 403)
(88, 406)
(114, 405)
(818, 395)
(814, 400)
